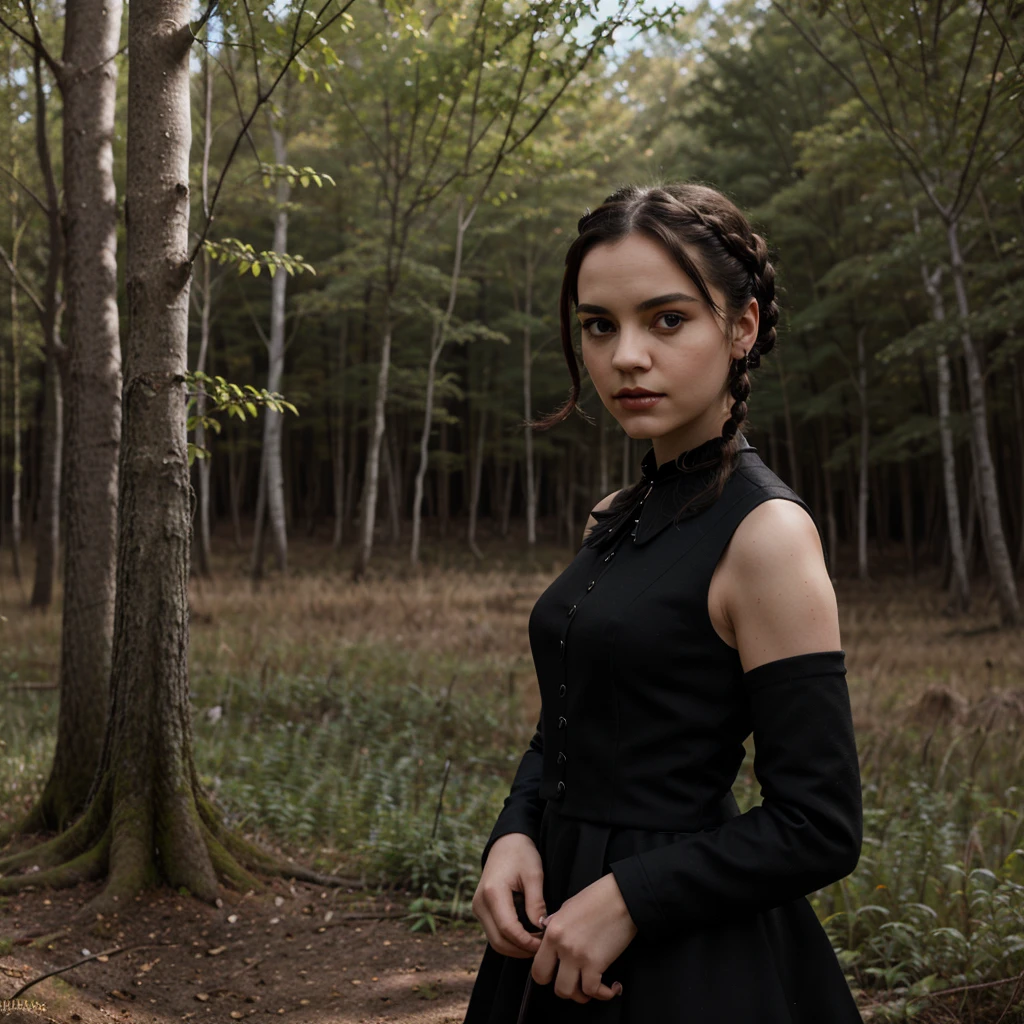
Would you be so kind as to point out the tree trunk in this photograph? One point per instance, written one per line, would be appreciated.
(907, 517)
(236, 480)
(203, 464)
(338, 464)
(865, 439)
(371, 480)
(795, 480)
(531, 486)
(271, 466)
(478, 468)
(93, 399)
(46, 533)
(47, 530)
(147, 817)
(960, 588)
(1018, 407)
(438, 338)
(393, 469)
(999, 564)
(16, 468)
(506, 502)
(832, 526)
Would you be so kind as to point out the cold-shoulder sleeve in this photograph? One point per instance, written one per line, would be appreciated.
(523, 805)
(808, 829)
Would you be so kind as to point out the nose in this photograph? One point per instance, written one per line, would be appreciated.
(631, 349)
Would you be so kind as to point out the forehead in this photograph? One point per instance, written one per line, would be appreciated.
(630, 270)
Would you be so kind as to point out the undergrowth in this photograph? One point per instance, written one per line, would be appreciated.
(392, 766)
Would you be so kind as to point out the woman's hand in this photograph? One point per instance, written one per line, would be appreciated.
(513, 864)
(582, 939)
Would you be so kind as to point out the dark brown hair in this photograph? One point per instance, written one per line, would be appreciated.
(712, 241)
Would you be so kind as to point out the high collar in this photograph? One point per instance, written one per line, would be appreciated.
(693, 460)
(675, 482)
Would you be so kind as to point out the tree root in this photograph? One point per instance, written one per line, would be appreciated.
(253, 857)
(78, 839)
(84, 868)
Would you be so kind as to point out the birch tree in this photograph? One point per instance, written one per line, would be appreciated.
(939, 81)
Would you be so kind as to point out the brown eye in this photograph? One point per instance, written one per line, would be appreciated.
(587, 324)
(678, 319)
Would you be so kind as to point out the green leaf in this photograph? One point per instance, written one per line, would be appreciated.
(256, 268)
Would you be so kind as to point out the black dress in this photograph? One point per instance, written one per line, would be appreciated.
(644, 713)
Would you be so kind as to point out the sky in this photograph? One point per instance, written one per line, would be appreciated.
(606, 8)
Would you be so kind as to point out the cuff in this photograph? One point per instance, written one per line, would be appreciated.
(638, 894)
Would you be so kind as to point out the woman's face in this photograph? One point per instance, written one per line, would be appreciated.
(645, 326)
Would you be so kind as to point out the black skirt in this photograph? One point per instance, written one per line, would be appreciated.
(774, 967)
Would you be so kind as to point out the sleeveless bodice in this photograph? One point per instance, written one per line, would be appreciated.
(644, 715)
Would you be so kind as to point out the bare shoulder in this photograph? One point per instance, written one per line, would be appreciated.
(775, 589)
(774, 537)
(599, 507)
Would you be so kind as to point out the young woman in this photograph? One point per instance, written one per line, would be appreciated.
(698, 610)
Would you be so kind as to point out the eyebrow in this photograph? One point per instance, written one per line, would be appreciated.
(646, 304)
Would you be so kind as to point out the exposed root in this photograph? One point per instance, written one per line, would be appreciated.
(65, 846)
(251, 856)
(226, 866)
(84, 868)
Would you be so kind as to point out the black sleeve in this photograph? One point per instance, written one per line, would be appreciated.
(523, 805)
(806, 833)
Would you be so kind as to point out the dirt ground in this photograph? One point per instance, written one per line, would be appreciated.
(299, 952)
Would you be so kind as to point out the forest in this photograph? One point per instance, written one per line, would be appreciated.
(280, 298)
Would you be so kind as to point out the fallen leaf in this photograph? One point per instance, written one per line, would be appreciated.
(216, 951)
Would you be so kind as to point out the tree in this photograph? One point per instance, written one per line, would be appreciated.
(947, 111)
(146, 816)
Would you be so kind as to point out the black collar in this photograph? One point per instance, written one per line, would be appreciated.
(675, 482)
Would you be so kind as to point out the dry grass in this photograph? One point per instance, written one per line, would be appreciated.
(903, 655)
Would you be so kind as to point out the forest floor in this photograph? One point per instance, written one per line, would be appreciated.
(346, 955)
(302, 953)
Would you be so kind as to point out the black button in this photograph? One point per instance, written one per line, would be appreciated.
(561, 787)
(562, 723)
(561, 645)
(591, 584)
(561, 690)
(572, 611)
(636, 520)
(561, 757)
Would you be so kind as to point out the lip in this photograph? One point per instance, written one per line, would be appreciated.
(638, 401)
(636, 393)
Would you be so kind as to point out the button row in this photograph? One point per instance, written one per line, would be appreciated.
(562, 689)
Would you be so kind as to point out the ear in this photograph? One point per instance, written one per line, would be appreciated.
(744, 332)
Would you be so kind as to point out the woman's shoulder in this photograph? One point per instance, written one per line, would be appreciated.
(774, 578)
(778, 526)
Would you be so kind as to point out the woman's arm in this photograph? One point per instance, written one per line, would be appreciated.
(523, 806)
(807, 832)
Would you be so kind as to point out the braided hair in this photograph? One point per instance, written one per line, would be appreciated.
(711, 240)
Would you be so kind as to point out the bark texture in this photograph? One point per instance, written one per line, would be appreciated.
(92, 401)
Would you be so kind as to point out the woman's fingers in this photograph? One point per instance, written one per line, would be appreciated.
(496, 912)
(593, 986)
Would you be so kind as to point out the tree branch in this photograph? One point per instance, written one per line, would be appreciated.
(20, 281)
(262, 97)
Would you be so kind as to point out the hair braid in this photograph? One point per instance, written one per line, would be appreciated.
(752, 253)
